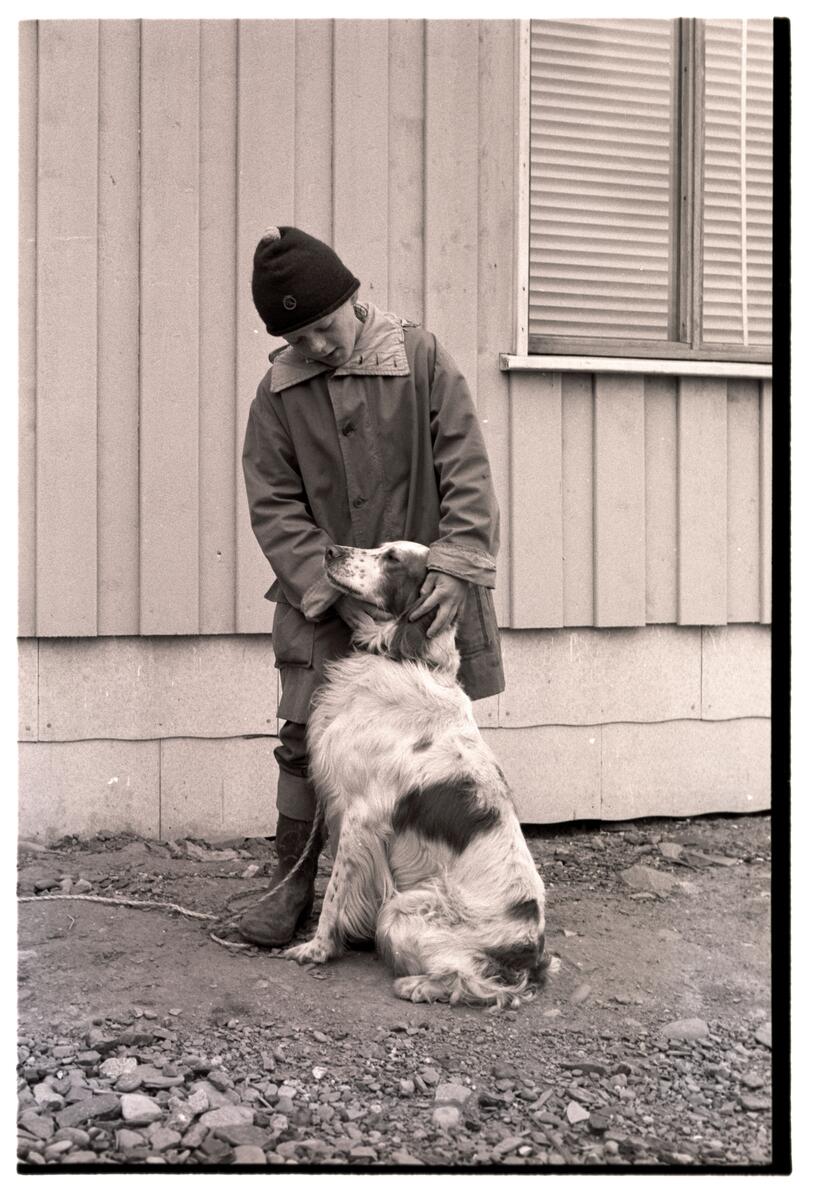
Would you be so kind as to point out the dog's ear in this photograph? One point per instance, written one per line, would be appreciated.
(403, 587)
(409, 641)
(319, 597)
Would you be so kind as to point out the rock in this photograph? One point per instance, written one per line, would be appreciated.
(104, 1104)
(363, 1153)
(194, 1136)
(88, 1058)
(507, 1145)
(452, 1093)
(79, 1137)
(581, 993)
(688, 1030)
(671, 850)
(40, 1127)
(575, 1113)
(165, 1139)
(45, 884)
(216, 1098)
(406, 1087)
(249, 1156)
(589, 1066)
(58, 1148)
(245, 1135)
(447, 1116)
(62, 1050)
(157, 1080)
(648, 879)
(198, 1101)
(47, 1098)
(128, 1139)
(598, 1123)
(129, 1082)
(404, 1159)
(80, 1156)
(200, 854)
(755, 1103)
(82, 887)
(137, 1109)
(430, 1075)
(228, 1114)
(504, 1070)
(752, 1080)
(764, 1035)
(114, 1067)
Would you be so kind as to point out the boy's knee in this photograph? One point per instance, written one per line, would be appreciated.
(292, 752)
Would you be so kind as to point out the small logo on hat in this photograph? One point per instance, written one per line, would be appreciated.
(289, 302)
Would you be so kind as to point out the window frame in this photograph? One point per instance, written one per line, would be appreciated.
(687, 235)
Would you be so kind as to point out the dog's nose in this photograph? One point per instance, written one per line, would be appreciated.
(333, 552)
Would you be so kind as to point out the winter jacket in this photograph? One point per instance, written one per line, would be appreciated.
(388, 446)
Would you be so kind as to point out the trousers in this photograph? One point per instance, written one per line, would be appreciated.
(296, 797)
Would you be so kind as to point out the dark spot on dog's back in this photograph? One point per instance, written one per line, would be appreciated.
(422, 744)
(445, 812)
(524, 910)
(513, 959)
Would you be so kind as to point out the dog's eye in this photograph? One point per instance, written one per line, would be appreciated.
(391, 556)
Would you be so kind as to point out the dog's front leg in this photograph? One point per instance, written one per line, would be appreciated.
(353, 897)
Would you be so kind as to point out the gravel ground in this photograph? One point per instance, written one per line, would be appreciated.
(141, 1041)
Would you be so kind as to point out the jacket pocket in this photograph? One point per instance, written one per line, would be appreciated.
(477, 627)
(291, 637)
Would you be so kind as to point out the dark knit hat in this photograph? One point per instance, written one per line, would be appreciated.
(297, 280)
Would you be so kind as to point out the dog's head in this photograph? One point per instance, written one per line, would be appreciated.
(390, 578)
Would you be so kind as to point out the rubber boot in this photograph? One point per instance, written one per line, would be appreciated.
(274, 920)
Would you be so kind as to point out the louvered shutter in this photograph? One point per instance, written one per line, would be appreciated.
(603, 179)
(737, 198)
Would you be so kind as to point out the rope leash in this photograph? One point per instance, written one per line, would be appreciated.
(220, 924)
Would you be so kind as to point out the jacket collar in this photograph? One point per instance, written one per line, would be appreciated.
(379, 350)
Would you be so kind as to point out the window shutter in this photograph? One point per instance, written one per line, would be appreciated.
(737, 195)
(603, 179)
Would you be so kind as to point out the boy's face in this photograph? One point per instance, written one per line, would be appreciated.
(329, 340)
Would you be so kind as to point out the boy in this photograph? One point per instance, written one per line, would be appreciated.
(363, 431)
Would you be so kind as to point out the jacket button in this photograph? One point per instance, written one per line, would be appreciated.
(359, 500)
(348, 429)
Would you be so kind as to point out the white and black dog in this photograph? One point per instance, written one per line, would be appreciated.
(429, 855)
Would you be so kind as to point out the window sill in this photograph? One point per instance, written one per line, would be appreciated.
(599, 364)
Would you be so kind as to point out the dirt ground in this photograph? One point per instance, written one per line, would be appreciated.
(327, 1065)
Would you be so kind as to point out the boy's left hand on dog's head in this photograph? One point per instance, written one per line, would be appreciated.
(446, 594)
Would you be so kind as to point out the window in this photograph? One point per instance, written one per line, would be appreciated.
(650, 188)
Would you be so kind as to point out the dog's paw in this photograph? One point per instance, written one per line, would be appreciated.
(420, 989)
(314, 951)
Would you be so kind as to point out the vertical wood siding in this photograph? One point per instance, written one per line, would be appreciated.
(153, 155)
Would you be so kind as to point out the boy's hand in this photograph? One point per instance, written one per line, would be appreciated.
(352, 611)
(445, 593)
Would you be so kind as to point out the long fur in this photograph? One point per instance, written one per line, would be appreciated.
(457, 913)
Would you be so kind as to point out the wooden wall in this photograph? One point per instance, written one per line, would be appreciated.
(169, 736)
(152, 156)
(638, 500)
